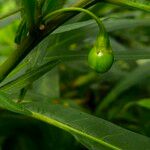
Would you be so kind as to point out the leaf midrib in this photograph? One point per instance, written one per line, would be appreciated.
(69, 128)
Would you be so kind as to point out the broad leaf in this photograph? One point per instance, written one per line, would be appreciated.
(93, 132)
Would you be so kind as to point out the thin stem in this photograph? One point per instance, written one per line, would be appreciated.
(30, 42)
(70, 9)
(52, 25)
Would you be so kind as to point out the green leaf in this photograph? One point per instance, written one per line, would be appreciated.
(144, 103)
(132, 54)
(29, 77)
(21, 32)
(48, 85)
(9, 20)
(32, 130)
(6, 103)
(137, 4)
(51, 5)
(93, 132)
(110, 24)
(119, 55)
(10, 14)
(29, 7)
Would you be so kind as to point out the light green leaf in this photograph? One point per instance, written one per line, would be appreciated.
(6, 103)
(9, 20)
(137, 4)
(29, 77)
(144, 103)
(93, 132)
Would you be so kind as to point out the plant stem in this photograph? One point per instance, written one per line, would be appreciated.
(31, 41)
(74, 9)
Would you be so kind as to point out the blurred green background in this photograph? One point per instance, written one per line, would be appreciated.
(121, 96)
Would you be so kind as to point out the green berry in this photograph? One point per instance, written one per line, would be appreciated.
(100, 61)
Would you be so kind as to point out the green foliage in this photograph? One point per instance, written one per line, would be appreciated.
(51, 99)
(129, 80)
(21, 32)
(144, 103)
(51, 5)
(29, 8)
(30, 76)
(103, 135)
(141, 4)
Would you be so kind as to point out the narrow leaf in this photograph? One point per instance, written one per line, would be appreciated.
(110, 24)
(9, 20)
(93, 132)
(144, 103)
(51, 5)
(29, 7)
(137, 4)
(10, 13)
(8, 104)
(29, 76)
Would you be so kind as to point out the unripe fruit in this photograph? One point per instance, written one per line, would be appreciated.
(100, 61)
(101, 56)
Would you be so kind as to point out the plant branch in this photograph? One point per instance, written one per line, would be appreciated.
(77, 9)
(32, 40)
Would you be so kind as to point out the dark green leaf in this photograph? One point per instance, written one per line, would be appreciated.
(93, 132)
(29, 7)
(51, 5)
